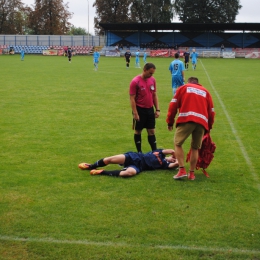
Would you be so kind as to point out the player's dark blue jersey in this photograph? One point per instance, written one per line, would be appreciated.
(186, 55)
(148, 161)
(128, 55)
(155, 160)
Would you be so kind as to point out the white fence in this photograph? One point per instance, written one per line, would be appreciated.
(52, 40)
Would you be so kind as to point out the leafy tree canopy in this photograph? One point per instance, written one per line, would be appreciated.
(49, 17)
(12, 16)
(207, 11)
(77, 31)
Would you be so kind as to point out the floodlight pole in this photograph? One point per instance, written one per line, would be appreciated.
(88, 23)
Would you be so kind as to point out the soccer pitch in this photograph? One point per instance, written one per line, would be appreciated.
(55, 115)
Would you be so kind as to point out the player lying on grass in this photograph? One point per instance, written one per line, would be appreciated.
(134, 163)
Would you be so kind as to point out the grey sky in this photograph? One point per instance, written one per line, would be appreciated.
(249, 13)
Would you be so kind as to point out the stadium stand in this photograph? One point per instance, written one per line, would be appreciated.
(34, 49)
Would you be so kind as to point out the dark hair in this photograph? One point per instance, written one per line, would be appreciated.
(193, 80)
(176, 55)
(148, 66)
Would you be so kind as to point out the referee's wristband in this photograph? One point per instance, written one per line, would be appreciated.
(158, 110)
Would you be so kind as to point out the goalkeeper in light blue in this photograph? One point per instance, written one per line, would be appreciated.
(96, 56)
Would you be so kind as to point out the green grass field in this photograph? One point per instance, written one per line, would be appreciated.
(55, 115)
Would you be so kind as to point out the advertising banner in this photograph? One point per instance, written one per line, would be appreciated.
(159, 53)
(50, 52)
(60, 52)
(253, 55)
(229, 55)
(172, 53)
(112, 53)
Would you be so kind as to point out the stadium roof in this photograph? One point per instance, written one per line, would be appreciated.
(181, 26)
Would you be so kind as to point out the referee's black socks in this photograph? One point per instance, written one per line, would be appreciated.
(152, 142)
(138, 142)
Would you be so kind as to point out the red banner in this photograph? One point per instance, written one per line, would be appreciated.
(172, 53)
(50, 52)
(164, 53)
(159, 53)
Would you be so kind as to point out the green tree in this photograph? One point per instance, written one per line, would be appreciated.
(111, 11)
(151, 11)
(12, 17)
(50, 17)
(125, 11)
(77, 31)
(207, 11)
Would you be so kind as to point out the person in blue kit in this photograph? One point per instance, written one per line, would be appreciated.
(134, 163)
(137, 59)
(144, 57)
(194, 59)
(176, 69)
(22, 54)
(96, 56)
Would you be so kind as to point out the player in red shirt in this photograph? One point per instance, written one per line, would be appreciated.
(195, 117)
(143, 100)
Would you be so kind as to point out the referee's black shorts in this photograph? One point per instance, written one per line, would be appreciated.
(147, 118)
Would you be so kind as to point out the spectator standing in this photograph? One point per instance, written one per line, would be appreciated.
(65, 48)
(143, 100)
(196, 115)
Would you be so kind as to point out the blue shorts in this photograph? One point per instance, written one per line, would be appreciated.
(177, 81)
(133, 160)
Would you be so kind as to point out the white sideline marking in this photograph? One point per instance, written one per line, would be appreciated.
(85, 242)
(242, 147)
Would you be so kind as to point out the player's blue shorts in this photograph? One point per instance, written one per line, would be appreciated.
(177, 81)
(134, 160)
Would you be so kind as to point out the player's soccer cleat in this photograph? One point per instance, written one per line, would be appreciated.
(191, 176)
(96, 172)
(181, 174)
(84, 166)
